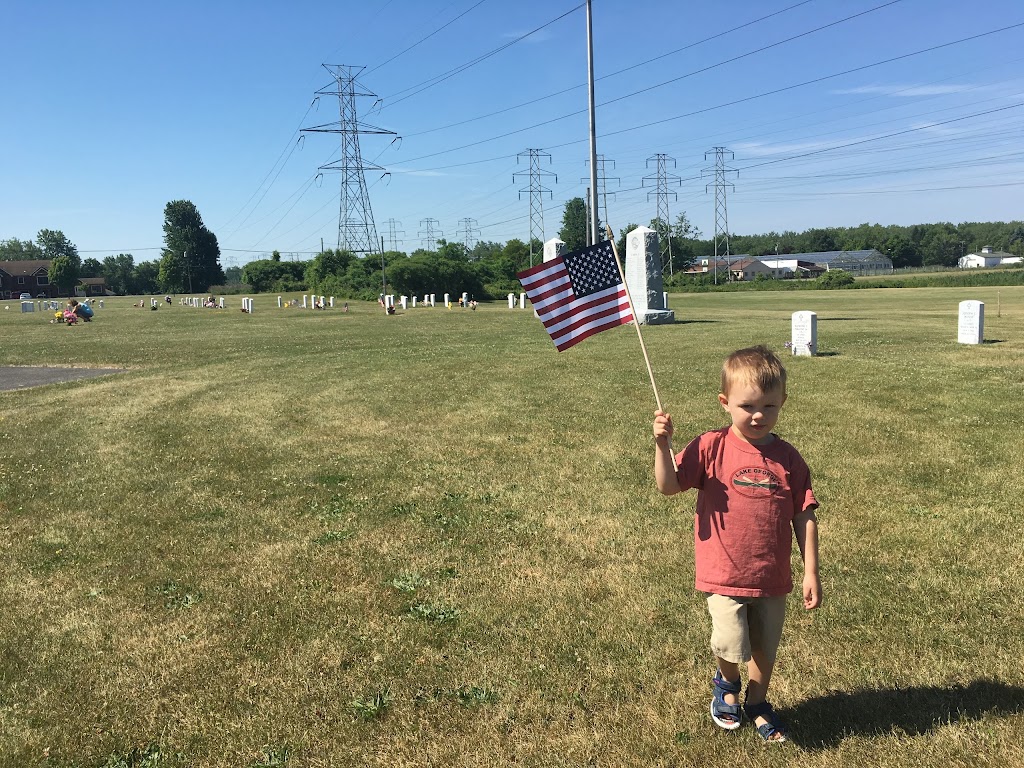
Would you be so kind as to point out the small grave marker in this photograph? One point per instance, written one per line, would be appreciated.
(805, 333)
(971, 326)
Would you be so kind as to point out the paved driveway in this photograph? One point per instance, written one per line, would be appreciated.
(23, 377)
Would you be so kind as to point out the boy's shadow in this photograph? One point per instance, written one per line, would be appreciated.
(823, 722)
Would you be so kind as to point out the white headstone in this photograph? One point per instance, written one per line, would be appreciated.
(431, 299)
(221, 303)
(465, 299)
(971, 327)
(405, 301)
(522, 301)
(101, 303)
(447, 300)
(805, 333)
(511, 301)
(278, 302)
(332, 302)
(304, 297)
(28, 306)
(414, 302)
(643, 276)
(554, 248)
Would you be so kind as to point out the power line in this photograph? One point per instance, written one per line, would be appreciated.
(612, 74)
(427, 37)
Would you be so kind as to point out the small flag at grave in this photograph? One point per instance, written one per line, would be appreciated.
(578, 294)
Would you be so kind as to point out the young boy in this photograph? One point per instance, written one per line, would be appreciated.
(753, 488)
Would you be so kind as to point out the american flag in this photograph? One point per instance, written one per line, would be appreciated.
(578, 294)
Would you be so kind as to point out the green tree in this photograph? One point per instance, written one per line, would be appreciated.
(901, 251)
(147, 277)
(119, 272)
(574, 224)
(91, 268)
(330, 263)
(63, 273)
(173, 274)
(19, 250)
(190, 251)
(54, 244)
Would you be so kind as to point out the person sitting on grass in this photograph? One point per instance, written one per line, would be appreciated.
(754, 488)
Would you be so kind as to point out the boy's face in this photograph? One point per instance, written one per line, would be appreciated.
(753, 412)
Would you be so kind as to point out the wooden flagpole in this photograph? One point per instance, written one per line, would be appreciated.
(636, 320)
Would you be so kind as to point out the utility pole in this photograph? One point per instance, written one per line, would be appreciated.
(356, 230)
(393, 232)
(469, 233)
(429, 235)
(537, 192)
(663, 178)
(602, 187)
(721, 210)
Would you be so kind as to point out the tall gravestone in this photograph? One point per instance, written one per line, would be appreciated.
(804, 340)
(644, 277)
(554, 248)
(971, 325)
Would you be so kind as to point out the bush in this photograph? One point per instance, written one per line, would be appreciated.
(834, 278)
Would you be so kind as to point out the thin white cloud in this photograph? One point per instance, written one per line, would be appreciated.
(910, 90)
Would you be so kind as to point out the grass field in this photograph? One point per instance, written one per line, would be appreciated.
(325, 539)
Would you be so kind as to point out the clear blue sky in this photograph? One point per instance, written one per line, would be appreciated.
(112, 109)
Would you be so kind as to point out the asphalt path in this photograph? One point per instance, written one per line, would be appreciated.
(23, 377)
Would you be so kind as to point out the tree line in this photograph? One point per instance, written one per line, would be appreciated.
(190, 258)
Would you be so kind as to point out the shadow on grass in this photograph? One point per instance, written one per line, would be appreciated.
(994, 341)
(691, 322)
(823, 722)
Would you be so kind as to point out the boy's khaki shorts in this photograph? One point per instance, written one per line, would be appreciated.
(740, 625)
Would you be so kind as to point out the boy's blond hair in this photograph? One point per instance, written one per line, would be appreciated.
(754, 365)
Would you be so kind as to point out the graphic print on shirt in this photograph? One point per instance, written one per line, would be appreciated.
(755, 482)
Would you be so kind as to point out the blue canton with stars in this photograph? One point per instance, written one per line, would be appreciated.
(592, 269)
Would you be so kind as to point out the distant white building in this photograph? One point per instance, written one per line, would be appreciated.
(988, 258)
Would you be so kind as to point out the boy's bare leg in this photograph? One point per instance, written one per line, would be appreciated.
(759, 671)
(731, 672)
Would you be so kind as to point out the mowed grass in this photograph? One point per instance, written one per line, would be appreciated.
(323, 539)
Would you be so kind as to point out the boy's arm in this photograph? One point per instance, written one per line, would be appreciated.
(805, 526)
(664, 461)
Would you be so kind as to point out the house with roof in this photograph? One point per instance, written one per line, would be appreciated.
(92, 286)
(30, 276)
(989, 257)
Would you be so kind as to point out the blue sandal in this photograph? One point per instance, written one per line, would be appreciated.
(727, 716)
(772, 732)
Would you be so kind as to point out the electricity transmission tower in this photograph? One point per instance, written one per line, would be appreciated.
(721, 210)
(662, 179)
(393, 232)
(469, 233)
(429, 235)
(602, 188)
(537, 192)
(356, 230)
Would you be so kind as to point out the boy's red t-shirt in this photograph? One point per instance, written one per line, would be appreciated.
(746, 500)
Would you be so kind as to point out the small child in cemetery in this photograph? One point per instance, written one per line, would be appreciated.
(753, 495)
